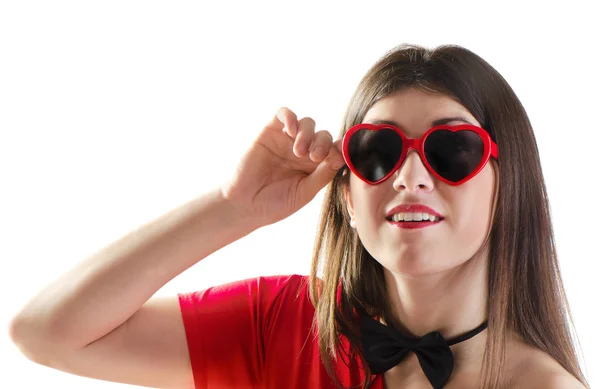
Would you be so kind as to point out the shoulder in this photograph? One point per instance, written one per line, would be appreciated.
(264, 285)
(291, 284)
(286, 297)
(552, 380)
(234, 297)
(538, 370)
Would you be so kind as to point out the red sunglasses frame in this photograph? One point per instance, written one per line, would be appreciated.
(490, 149)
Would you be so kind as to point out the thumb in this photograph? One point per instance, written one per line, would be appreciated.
(325, 171)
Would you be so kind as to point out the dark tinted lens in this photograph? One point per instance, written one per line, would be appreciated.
(454, 155)
(374, 153)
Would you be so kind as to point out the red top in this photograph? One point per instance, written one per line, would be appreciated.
(255, 333)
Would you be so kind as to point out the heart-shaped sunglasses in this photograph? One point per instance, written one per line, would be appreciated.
(453, 154)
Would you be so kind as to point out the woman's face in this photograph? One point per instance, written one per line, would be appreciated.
(466, 209)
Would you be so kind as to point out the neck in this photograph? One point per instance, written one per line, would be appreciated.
(452, 302)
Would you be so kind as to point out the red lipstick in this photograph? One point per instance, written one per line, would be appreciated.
(412, 208)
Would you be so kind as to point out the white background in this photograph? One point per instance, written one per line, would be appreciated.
(113, 113)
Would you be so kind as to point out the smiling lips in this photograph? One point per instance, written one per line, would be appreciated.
(413, 216)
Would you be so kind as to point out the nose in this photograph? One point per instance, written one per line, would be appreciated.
(412, 174)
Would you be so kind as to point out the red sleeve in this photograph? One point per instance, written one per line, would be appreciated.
(225, 327)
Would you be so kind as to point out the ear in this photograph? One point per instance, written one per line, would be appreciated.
(350, 206)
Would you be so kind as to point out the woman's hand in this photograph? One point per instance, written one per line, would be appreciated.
(284, 169)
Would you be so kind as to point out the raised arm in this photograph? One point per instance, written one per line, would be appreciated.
(99, 320)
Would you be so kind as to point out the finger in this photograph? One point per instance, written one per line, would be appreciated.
(335, 159)
(289, 120)
(325, 172)
(319, 149)
(338, 145)
(306, 132)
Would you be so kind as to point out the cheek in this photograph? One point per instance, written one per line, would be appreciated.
(474, 220)
(366, 202)
(364, 198)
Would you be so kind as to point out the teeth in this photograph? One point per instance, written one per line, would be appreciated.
(414, 216)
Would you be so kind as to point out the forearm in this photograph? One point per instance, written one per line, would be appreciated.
(103, 291)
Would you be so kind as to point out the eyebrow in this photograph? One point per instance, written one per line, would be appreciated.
(437, 122)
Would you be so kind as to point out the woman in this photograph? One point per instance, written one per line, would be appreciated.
(434, 264)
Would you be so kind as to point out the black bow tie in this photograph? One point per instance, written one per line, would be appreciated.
(385, 347)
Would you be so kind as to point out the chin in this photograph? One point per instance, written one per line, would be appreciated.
(417, 266)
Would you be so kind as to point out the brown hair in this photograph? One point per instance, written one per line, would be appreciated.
(525, 295)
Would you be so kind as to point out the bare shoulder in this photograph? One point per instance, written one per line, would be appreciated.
(536, 370)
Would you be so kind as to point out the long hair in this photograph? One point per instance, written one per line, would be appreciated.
(525, 293)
